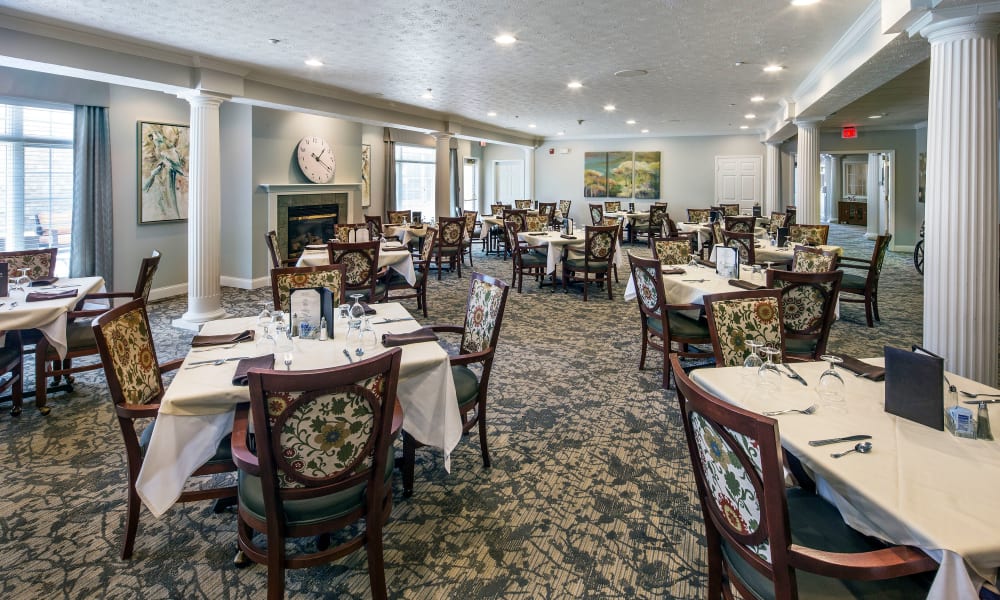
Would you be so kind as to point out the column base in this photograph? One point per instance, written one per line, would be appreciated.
(871, 236)
(193, 322)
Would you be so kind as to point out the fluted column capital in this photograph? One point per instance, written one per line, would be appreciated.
(198, 98)
(962, 28)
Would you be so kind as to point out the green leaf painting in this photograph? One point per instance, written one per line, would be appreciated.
(595, 175)
(647, 175)
(621, 174)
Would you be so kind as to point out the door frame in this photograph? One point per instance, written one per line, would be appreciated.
(759, 191)
(890, 186)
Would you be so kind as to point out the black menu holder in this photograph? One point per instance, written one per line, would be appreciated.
(631, 207)
(914, 386)
(418, 216)
(714, 216)
(782, 236)
(311, 305)
(3, 279)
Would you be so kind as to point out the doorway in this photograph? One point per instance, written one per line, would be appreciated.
(508, 181)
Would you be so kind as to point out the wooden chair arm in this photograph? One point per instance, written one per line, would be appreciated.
(171, 365)
(688, 306)
(244, 459)
(862, 262)
(137, 411)
(447, 328)
(887, 563)
(466, 359)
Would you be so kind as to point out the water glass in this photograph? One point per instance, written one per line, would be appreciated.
(831, 385)
(768, 373)
(753, 362)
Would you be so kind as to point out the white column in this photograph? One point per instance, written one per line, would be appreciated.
(833, 191)
(772, 178)
(529, 174)
(960, 268)
(807, 181)
(442, 175)
(204, 213)
(874, 195)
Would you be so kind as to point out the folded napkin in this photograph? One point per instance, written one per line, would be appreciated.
(257, 362)
(862, 368)
(673, 271)
(424, 334)
(705, 263)
(316, 247)
(746, 285)
(44, 281)
(567, 237)
(225, 338)
(368, 309)
(41, 296)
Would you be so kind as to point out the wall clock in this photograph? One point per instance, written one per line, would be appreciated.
(316, 159)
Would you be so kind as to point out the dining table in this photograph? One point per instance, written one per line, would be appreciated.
(406, 233)
(47, 316)
(393, 255)
(696, 281)
(916, 486)
(556, 242)
(704, 231)
(764, 252)
(197, 409)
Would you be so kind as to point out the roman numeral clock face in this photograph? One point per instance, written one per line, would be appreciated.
(316, 159)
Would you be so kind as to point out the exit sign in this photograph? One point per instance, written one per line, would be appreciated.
(849, 133)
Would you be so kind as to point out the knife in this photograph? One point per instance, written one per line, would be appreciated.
(849, 438)
(205, 362)
(393, 320)
(981, 401)
(794, 375)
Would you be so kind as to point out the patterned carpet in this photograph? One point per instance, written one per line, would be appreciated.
(589, 494)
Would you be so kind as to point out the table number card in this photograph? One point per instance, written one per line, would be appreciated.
(310, 306)
(914, 386)
(727, 262)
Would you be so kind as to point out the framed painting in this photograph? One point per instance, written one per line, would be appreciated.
(164, 151)
(620, 174)
(366, 175)
(647, 175)
(595, 175)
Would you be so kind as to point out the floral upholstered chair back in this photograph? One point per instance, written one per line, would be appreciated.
(657, 217)
(812, 260)
(564, 207)
(600, 243)
(451, 231)
(428, 248)
(547, 209)
(483, 313)
(671, 252)
(470, 217)
(273, 248)
(497, 209)
(777, 220)
(648, 278)
(810, 235)
(736, 317)
(717, 237)
(807, 306)
(730, 210)
(360, 262)
(699, 215)
(517, 214)
(596, 214)
(342, 233)
(537, 223)
(41, 263)
(744, 244)
(129, 357)
(374, 225)
(739, 224)
(396, 217)
(523, 204)
(283, 281)
(612, 206)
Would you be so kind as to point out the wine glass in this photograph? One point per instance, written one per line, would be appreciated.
(693, 262)
(752, 363)
(769, 374)
(368, 339)
(355, 313)
(831, 385)
(288, 360)
(22, 282)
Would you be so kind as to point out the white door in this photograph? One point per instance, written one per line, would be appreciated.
(738, 179)
(508, 181)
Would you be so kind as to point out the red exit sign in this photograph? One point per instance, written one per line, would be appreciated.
(849, 133)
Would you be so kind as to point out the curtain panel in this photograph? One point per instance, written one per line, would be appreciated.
(390, 172)
(92, 248)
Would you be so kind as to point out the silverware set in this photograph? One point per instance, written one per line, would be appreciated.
(216, 362)
(805, 411)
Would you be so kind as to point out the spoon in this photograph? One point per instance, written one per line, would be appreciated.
(861, 448)
(288, 361)
(805, 411)
(359, 351)
(348, 355)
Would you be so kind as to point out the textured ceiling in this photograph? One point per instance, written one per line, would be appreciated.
(393, 50)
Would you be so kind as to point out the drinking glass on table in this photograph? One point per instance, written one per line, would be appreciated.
(752, 363)
(768, 373)
(21, 283)
(831, 385)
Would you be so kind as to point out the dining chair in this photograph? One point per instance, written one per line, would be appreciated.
(450, 240)
(319, 463)
(564, 206)
(395, 282)
(810, 235)
(612, 206)
(135, 383)
(513, 214)
(374, 225)
(730, 210)
(790, 212)
(717, 237)
(596, 214)
(777, 220)
(274, 251)
(525, 259)
(599, 251)
(397, 217)
(536, 223)
(361, 272)
(333, 277)
(80, 334)
(766, 541)
(653, 227)
(547, 210)
(671, 251)
(808, 308)
(472, 234)
(12, 364)
(41, 262)
(744, 243)
(864, 285)
(699, 215)
(524, 204)
(737, 317)
(484, 309)
(813, 260)
(739, 224)
(670, 227)
(497, 234)
(661, 321)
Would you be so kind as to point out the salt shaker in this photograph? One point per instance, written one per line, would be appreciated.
(983, 423)
(322, 329)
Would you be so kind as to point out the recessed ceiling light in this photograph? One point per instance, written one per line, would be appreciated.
(532, 126)
(875, 116)
(631, 73)
(574, 85)
(773, 68)
(803, 2)
(312, 62)
(645, 131)
(505, 39)
(739, 63)
(561, 133)
(756, 98)
(749, 116)
(492, 113)
(744, 127)
(427, 95)
(273, 41)
(630, 122)
(609, 107)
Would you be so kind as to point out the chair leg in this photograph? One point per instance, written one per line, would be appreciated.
(439, 266)
(275, 570)
(481, 417)
(376, 561)
(875, 306)
(132, 507)
(868, 311)
(666, 368)
(642, 350)
(409, 458)
(610, 297)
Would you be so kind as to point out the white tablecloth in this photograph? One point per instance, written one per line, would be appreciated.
(705, 232)
(556, 243)
(692, 286)
(197, 410)
(405, 234)
(918, 486)
(396, 258)
(48, 316)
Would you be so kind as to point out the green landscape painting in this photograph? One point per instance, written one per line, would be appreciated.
(647, 175)
(620, 174)
(595, 175)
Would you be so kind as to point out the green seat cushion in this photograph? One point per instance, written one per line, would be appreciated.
(380, 289)
(799, 346)
(80, 334)
(680, 326)
(853, 281)
(395, 280)
(466, 384)
(579, 264)
(308, 510)
(816, 523)
(533, 260)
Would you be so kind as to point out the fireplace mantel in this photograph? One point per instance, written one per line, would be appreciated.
(273, 190)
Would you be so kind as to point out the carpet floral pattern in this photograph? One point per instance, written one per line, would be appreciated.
(590, 493)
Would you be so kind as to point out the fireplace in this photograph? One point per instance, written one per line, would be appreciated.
(311, 224)
(305, 213)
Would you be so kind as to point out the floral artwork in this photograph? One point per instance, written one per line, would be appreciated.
(646, 166)
(366, 175)
(621, 175)
(164, 152)
(595, 175)
(620, 168)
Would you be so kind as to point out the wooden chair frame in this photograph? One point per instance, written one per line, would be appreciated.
(873, 268)
(818, 332)
(369, 251)
(569, 274)
(271, 239)
(422, 267)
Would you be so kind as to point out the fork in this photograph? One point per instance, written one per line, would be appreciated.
(971, 395)
(804, 411)
(216, 348)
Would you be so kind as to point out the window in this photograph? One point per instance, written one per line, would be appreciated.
(470, 179)
(856, 179)
(36, 179)
(415, 179)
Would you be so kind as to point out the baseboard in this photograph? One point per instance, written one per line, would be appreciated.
(167, 292)
(901, 248)
(243, 283)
